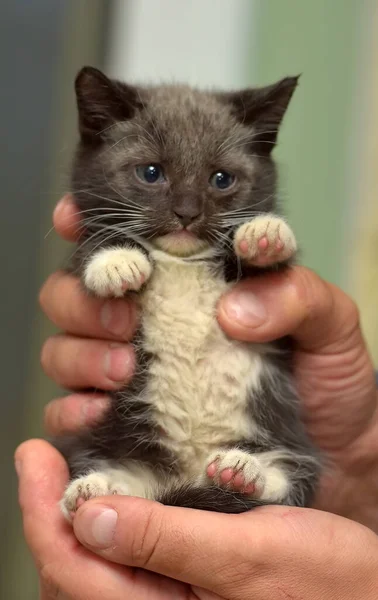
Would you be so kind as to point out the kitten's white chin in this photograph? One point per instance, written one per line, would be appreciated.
(181, 243)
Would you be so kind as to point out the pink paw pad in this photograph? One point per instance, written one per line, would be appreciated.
(264, 246)
(243, 246)
(265, 240)
(279, 245)
(267, 252)
(79, 502)
(263, 243)
(232, 478)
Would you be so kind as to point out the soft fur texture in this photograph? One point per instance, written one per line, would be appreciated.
(207, 422)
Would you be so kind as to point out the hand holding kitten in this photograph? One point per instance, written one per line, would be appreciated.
(336, 379)
(333, 368)
(131, 548)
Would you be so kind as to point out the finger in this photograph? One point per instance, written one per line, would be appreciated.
(43, 475)
(77, 363)
(68, 306)
(65, 570)
(188, 545)
(74, 412)
(296, 302)
(66, 219)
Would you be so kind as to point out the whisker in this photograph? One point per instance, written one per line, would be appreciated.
(236, 140)
(126, 201)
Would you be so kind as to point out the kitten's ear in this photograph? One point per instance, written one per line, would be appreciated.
(101, 102)
(263, 109)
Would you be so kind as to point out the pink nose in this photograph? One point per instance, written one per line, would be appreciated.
(187, 218)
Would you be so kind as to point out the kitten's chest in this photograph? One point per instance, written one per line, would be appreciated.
(199, 380)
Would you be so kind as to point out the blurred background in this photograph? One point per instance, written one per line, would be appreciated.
(328, 155)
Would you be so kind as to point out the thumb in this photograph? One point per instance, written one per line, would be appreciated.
(209, 550)
(296, 302)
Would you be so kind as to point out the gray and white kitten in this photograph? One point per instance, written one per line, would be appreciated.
(177, 192)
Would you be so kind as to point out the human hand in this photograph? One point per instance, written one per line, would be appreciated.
(67, 571)
(333, 370)
(275, 552)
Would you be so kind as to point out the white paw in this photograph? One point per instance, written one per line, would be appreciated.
(265, 240)
(236, 470)
(113, 271)
(87, 487)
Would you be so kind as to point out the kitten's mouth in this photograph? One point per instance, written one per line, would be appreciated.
(180, 243)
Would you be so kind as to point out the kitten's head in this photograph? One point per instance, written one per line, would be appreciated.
(173, 165)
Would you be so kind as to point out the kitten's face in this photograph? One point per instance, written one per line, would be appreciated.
(171, 165)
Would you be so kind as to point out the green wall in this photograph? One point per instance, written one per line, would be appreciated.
(320, 40)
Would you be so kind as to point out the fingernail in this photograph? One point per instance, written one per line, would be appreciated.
(115, 318)
(245, 308)
(117, 363)
(96, 525)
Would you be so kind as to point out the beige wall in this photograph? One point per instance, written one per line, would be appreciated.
(81, 43)
(363, 284)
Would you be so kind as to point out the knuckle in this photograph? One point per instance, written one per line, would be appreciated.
(147, 539)
(46, 290)
(324, 299)
(52, 416)
(54, 362)
(316, 295)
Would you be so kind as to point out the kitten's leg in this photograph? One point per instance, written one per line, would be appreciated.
(263, 475)
(113, 271)
(265, 240)
(133, 480)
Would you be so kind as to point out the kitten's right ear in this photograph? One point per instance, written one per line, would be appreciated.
(263, 109)
(102, 102)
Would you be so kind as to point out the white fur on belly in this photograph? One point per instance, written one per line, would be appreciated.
(199, 379)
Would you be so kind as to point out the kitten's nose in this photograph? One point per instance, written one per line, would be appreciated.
(187, 217)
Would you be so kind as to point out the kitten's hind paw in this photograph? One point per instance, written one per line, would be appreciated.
(114, 271)
(264, 241)
(236, 470)
(90, 486)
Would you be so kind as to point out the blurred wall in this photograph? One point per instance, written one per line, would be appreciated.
(42, 45)
(204, 43)
(362, 281)
(323, 41)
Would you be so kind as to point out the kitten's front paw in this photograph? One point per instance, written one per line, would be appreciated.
(87, 487)
(236, 470)
(113, 271)
(264, 241)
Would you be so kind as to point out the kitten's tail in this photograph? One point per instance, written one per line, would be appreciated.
(210, 497)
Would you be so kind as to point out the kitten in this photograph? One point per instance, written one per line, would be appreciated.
(177, 193)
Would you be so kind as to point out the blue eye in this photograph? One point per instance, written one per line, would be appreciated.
(222, 180)
(150, 173)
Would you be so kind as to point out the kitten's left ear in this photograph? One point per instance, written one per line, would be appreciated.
(101, 102)
(263, 109)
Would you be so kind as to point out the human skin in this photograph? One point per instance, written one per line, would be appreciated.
(333, 370)
(336, 381)
(157, 552)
